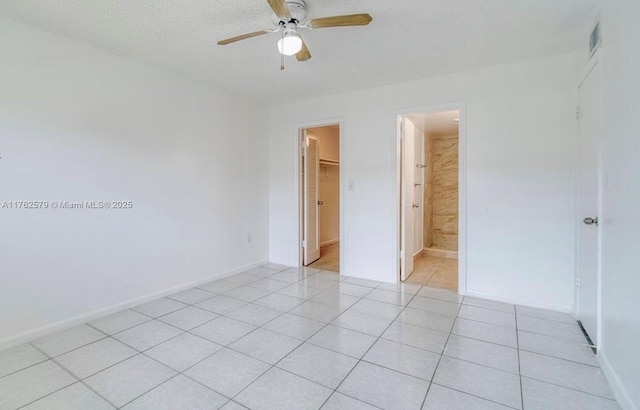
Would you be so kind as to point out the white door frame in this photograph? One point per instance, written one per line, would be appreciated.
(596, 59)
(298, 132)
(462, 184)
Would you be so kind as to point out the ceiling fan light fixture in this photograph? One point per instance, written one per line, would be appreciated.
(290, 44)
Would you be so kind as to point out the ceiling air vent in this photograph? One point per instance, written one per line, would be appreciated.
(594, 39)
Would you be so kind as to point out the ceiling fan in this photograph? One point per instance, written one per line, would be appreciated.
(289, 16)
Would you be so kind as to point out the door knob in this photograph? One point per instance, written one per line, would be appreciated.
(320, 202)
(591, 221)
(416, 205)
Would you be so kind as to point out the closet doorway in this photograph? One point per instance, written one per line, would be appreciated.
(320, 197)
(429, 176)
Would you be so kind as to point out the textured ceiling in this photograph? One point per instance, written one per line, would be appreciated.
(407, 39)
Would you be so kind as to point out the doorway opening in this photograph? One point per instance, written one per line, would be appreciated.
(320, 197)
(429, 178)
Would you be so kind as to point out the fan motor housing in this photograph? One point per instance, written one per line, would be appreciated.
(298, 12)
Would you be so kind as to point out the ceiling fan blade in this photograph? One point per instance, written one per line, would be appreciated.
(303, 54)
(241, 37)
(280, 7)
(342, 21)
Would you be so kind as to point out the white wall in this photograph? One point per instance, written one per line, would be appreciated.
(621, 198)
(520, 135)
(79, 124)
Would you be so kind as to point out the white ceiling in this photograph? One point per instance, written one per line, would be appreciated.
(437, 123)
(408, 39)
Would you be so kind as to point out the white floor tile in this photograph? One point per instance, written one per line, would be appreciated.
(223, 330)
(191, 296)
(75, 397)
(440, 294)
(544, 396)
(319, 282)
(332, 297)
(18, 358)
(279, 302)
(402, 358)
(351, 289)
(484, 353)
(442, 398)
(342, 340)
(247, 293)
(546, 314)
(320, 365)
(490, 384)
(294, 326)
(232, 405)
(551, 328)
(270, 285)
(119, 321)
(416, 336)
(95, 357)
(406, 288)
(221, 304)
(276, 266)
(361, 282)
(227, 372)
(492, 317)
(316, 311)
(300, 292)
(265, 345)
(254, 314)
(362, 322)
(375, 308)
(68, 340)
(127, 380)
(32, 383)
(220, 286)
(183, 351)
(489, 304)
(434, 305)
(573, 375)
(159, 307)
(483, 331)
(428, 320)
(188, 318)
(147, 335)
(384, 388)
(242, 278)
(339, 401)
(178, 393)
(560, 348)
(386, 296)
(278, 389)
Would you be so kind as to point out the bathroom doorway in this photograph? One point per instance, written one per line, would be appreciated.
(429, 180)
(320, 199)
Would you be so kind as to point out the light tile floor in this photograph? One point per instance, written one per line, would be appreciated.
(329, 258)
(435, 272)
(286, 338)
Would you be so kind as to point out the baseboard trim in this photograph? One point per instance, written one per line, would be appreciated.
(55, 327)
(329, 242)
(620, 393)
(522, 302)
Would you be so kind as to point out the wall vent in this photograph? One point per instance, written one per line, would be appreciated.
(594, 39)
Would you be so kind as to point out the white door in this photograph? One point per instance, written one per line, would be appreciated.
(407, 198)
(588, 194)
(310, 169)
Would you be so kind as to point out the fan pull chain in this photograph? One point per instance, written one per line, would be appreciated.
(282, 55)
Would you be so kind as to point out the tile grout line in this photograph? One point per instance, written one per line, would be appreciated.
(515, 315)
(424, 400)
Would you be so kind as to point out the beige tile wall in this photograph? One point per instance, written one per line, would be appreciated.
(441, 193)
